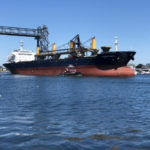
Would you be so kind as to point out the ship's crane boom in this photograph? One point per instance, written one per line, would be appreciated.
(40, 34)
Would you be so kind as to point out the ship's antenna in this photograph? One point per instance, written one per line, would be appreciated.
(116, 43)
(21, 45)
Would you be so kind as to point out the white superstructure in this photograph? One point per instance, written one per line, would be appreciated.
(21, 55)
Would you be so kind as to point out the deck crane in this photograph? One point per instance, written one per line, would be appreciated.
(40, 34)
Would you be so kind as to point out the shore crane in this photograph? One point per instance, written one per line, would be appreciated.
(40, 34)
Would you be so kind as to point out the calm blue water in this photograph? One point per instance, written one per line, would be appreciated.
(74, 113)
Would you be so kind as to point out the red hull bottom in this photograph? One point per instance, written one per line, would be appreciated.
(85, 71)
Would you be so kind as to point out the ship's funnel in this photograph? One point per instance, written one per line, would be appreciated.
(54, 47)
(93, 44)
(105, 49)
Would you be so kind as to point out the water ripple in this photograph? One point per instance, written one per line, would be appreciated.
(74, 113)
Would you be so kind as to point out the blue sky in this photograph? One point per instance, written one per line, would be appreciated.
(105, 19)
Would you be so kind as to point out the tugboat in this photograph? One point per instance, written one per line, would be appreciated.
(71, 71)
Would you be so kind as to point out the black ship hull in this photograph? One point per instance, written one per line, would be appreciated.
(104, 64)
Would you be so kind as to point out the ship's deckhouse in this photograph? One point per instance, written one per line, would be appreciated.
(21, 55)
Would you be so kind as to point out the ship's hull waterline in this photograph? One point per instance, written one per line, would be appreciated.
(85, 71)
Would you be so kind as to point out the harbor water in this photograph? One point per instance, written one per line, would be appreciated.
(74, 113)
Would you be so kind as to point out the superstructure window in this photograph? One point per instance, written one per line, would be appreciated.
(25, 54)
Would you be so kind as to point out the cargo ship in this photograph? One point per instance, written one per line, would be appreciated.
(75, 60)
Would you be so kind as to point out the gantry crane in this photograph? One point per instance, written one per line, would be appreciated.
(40, 34)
